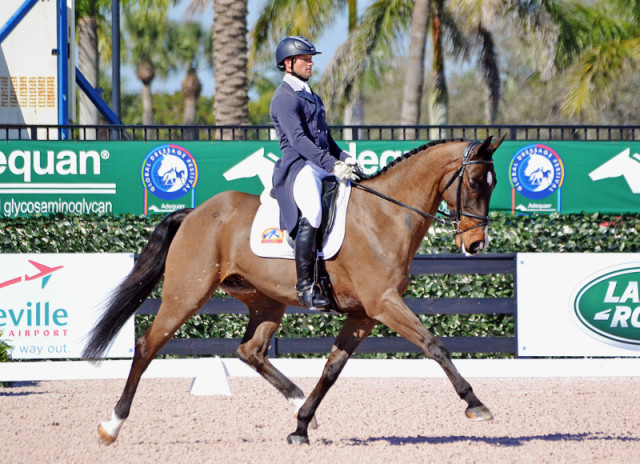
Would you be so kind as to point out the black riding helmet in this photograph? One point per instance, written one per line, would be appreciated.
(293, 45)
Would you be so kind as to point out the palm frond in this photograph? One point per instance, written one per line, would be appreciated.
(281, 18)
(582, 27)
(367, 49)
(593, 77)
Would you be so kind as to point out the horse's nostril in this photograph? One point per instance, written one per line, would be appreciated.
(476, 246)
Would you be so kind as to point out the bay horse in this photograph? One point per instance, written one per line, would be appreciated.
(202, 249)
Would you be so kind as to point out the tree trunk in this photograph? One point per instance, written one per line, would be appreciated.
(414, 78)
(353, 115)
(490, 75)
(147, 105)
(146, 72)
(230, 54)
(439, 98)
(89, 66)
(191, 88)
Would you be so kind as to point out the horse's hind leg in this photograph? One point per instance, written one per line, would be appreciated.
(265, 316)
(392, 312)
(356, 328)
(181, 299)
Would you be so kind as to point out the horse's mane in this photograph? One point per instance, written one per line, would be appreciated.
(407, 155)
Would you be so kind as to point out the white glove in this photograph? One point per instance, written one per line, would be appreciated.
(344, 172)
(351, 161)
(357, 167)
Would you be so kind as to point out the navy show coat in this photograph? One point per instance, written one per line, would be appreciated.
(299, 119)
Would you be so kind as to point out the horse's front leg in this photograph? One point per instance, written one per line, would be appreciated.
(394, 313)
(356, 328)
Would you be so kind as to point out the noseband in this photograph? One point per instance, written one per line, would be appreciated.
(452, 218)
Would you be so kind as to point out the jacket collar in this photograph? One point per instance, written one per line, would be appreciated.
(300, 87)
(296, 84)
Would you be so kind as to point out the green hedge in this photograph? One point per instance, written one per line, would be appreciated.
(545, 233)
(569, 233)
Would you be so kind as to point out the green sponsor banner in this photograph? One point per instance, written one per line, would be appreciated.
(45, 177)
(568, 177)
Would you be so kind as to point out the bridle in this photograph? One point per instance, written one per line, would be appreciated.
(460, 175)
(452, 218)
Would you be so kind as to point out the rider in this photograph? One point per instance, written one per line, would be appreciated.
(309, 154)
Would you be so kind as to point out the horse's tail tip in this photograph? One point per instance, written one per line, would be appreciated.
(96, 362)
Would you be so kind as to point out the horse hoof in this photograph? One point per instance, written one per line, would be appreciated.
(104, 437)
(479, 413)
(294, 439)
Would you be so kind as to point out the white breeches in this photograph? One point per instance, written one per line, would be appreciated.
(307, 192)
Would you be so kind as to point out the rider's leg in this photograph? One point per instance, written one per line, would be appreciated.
(307, 191)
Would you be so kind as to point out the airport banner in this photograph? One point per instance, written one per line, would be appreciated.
(578, 304)
(50, 302)
(118, 177)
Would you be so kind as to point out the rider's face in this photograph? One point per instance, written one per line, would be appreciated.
(302, 65)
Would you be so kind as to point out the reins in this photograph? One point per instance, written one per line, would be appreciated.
(459, 174)
(399, 203)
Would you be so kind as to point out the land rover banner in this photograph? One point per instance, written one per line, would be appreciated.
(45, 177)
(578, 304)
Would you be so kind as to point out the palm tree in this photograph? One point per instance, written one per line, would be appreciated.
(230, 55)
(458, 27)
(439, 96)
(597, 47)
(414, 78)
(89, 14)
(367, 51)
(530, 19)
(147, 50)
(94, 42)
(191, 46)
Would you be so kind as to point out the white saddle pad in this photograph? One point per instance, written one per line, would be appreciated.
(269, 241)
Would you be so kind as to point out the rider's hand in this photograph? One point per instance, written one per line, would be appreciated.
(345, 172)
(351, 161)
(357, 167)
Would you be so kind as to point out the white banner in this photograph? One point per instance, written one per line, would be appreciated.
(50, 302)
(582, 304)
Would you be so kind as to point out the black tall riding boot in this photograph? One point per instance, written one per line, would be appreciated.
(309, 294)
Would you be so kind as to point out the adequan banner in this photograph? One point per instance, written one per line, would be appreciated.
(50, 302)
(159, 177)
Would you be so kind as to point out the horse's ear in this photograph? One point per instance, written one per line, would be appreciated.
(494, 146)
(483, 150)
(488, 147)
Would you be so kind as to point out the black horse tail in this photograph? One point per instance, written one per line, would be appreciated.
(136, 287)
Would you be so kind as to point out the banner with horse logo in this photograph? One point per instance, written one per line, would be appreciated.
(124, 177)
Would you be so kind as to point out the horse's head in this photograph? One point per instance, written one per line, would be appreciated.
(467, 191)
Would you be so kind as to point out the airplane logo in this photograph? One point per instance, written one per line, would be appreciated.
(623, 164)
(44, 273)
